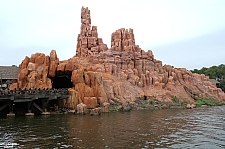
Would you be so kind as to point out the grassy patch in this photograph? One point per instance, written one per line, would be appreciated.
(144, 106)
(183, 103)
(163, 106)
(175, 99)
(152, 102)
(208, 102)
(114, 109)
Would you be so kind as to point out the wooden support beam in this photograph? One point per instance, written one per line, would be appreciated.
(45, 103)
(5, 105)
(36, 106)
(11, 107)
(23, 100)
(29, 106)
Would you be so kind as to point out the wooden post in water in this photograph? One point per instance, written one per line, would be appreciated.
(11, 114)
(44, 106)
(29, 107)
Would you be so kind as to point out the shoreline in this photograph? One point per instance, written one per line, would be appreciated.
(139, 104)
(143, 105)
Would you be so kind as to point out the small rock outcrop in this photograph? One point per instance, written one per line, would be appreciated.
(120, 74)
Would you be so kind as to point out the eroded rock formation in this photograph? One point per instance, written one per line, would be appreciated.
(88, 42)
(121, 73)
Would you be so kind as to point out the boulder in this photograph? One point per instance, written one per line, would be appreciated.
(105, 107)
(91, 102)
(95, 111)
(81, 108)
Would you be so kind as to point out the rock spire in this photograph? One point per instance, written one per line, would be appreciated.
(88, 42)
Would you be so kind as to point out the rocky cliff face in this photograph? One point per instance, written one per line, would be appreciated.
(121, 73)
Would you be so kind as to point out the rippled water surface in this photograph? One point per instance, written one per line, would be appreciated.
(171, 128)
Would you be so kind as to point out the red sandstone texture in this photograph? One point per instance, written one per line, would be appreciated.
(121, 73)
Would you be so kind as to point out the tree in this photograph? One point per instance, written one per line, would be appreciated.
(214, 72)
(222, 84)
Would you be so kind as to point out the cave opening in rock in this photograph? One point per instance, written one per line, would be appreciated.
(62, 81)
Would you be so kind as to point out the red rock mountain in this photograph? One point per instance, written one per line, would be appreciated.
(121, 73)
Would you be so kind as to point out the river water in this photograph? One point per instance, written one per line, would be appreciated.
(168, 128)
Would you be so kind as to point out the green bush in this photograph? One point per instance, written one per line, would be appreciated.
(175, 99)
(144, 106)
(183, 103)
(114, 109)
(152, 102)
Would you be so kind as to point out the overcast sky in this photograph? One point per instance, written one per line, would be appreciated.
(183, 33)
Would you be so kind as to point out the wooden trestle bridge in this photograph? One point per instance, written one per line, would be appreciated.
(32, 100)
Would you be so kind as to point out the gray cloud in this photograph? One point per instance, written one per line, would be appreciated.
(202, 51)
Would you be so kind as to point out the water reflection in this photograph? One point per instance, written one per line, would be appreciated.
(172, 128)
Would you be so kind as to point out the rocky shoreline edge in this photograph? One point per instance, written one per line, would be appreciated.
(140, 104)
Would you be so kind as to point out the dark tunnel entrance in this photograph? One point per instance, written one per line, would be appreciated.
(62, 81)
